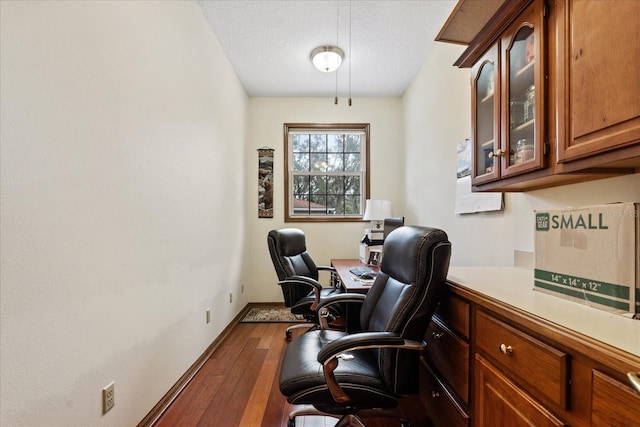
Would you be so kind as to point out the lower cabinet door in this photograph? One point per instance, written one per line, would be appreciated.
(613, 403)
(443, 409)
(500, 402)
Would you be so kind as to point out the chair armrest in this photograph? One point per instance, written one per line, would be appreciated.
(303, 280)
(332, 271)
(342, 298)
(334, 350)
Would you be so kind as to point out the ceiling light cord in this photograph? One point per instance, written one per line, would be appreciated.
(350, 53)
(335, 99)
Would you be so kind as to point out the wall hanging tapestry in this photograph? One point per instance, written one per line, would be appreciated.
(265, 182)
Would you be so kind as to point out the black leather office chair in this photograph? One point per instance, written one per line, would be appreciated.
(298, 276)
(355, 375)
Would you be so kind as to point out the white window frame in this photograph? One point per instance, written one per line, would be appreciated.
(291, 129)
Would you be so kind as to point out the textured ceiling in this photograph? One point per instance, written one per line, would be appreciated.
(268, 43)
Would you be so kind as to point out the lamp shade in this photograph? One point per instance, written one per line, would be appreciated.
(377, 210)
(327, 58)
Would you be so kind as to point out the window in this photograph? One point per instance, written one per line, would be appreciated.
(327, 171)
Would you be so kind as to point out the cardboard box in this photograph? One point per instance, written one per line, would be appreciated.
(370, 254)
(590, 255)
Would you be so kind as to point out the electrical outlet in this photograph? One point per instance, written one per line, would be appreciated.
(230, 297)
(208, 316)
(108, 397)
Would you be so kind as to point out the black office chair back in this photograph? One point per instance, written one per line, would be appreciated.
(404, 297)
(288, 251)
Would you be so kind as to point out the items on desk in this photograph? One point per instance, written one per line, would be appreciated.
(364, 273)
(370, 254)
(373, 236)
(371, 249)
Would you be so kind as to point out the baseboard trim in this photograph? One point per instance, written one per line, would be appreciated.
(157, 411)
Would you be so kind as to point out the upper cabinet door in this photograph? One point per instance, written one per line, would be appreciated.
(485, 117)
(523, 93)
(599, 77)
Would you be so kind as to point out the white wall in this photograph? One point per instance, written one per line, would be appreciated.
(324, 240)
(437, 117)
(123, 132)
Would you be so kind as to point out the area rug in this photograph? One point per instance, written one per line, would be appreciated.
(269, 314)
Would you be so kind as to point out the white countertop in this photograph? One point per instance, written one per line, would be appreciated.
(514, 286)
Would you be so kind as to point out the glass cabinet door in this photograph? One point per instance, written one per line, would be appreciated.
(485, 118)
(523, 148)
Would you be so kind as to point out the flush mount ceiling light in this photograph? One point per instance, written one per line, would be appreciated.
(327, 58)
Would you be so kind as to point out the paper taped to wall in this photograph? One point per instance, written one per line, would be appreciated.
(469, 202)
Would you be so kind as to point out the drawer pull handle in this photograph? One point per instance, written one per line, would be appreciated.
(435, 394)
(504, 349)
(634, 377)
(437, 335)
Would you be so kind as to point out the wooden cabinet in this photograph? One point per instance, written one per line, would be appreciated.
(490, 364)
(443, 408)
(613, 403)
(598, 67)
(555, 91)
(500, 402)
(508, 94)
(524, 358)
(445, 374)
(485, 119)
(449, 355)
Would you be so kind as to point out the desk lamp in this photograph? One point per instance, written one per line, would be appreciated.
(376, 211)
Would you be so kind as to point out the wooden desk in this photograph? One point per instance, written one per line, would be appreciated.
(348, 281)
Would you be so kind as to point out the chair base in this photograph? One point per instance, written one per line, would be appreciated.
(307, 411)
(350, 419)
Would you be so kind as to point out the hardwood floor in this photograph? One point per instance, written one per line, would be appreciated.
(238, 386)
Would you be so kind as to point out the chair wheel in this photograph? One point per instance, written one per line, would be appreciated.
(291, 423)
(405, 424)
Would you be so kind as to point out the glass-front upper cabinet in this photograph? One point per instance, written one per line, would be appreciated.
(508, 101)
(523, 94)
(486, 117)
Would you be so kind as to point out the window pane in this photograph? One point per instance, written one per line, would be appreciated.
(301, 162)
(300, 143)
(300, 184)
(319, 162)
(352, 144)
(336, 203)
(301, 205)
(318, 184)
(335, 162)
(318, 143)
(335, 185)
(335, 143)
(352, 185)
(318, 204)
(352, 163)
(351, 205)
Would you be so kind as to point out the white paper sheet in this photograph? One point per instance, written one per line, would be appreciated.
(469, 202)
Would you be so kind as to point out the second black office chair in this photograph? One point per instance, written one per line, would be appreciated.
(298, 276)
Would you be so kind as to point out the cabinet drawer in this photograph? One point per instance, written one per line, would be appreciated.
(449, 355)
(442, 408)
(613, 403)
(542, 368)
(456, 313)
